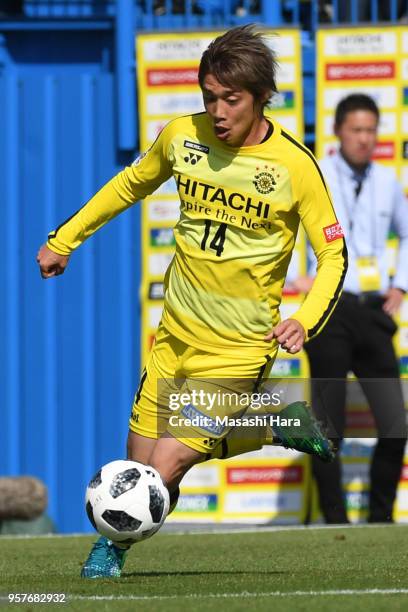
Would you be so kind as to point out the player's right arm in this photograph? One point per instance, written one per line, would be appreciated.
(128, 186)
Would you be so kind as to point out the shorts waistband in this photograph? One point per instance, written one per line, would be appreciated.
(373, 300)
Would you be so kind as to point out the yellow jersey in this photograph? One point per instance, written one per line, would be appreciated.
(240, 210)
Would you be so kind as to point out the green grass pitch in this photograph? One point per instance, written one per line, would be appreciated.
(339, 569)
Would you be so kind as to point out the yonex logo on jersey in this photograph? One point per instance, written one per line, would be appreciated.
(196, 146)
(264, 180)
(192, 158)
(333, 232)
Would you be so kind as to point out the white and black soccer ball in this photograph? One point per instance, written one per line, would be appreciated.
(126, 501)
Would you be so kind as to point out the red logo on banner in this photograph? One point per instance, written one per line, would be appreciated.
(333, 232)
(265, 475)
(384, 150)
(172, 76)
(356, 71)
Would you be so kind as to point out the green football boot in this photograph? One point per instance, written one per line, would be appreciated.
(105, 560)
(306, 435)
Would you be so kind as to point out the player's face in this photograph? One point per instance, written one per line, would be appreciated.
(358, 136)
(237, 118)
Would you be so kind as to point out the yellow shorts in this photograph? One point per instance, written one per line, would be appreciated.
(188, 392)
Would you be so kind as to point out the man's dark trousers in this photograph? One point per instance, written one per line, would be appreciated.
(358, 338)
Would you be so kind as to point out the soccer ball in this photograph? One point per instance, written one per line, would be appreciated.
(126, 501)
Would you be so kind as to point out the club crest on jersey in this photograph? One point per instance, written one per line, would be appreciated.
(265, 180)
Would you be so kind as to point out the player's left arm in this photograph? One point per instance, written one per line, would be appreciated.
(325, 235)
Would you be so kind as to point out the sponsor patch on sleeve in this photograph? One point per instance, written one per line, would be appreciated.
(333, 232)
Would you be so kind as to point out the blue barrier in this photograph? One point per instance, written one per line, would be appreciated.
(165, 14)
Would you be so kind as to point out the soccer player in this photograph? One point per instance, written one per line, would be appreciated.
(244, 185)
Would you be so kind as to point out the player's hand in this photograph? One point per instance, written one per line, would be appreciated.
(290, 334)
(51, 264)
(393, 301)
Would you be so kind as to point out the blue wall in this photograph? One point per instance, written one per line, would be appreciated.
(69, 351)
